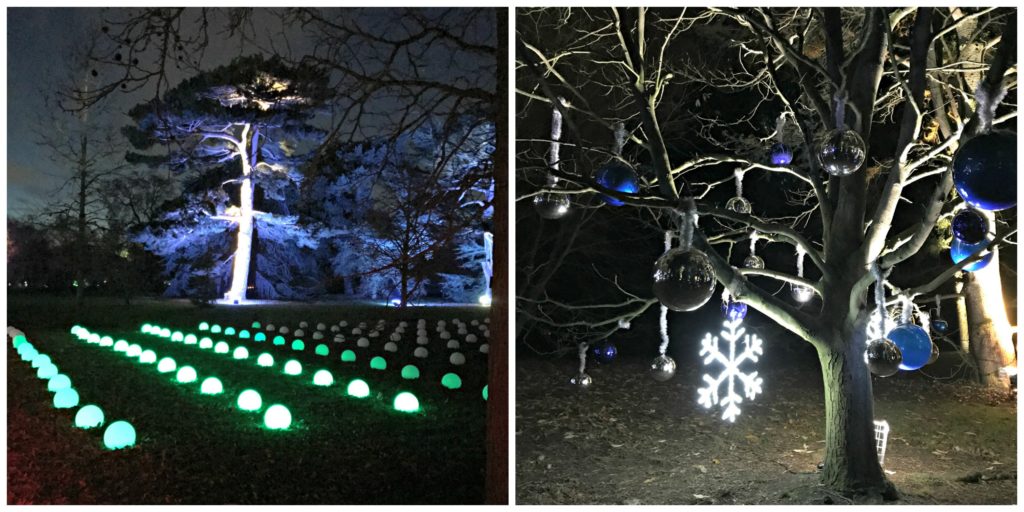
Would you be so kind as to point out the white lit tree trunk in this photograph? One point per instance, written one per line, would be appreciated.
(243, 248)
(989, 328)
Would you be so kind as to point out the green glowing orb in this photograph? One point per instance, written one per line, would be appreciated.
(166, 365)
(133, 351)
(265, 360)
(378, 363)
(66, 398)
(18, 340)
(120, 434)
(106, 341)
(89, 416)
(205, 344)
(93, 338)
(358, 388)
(322, 350)
(451, 381)
(250, 400)
(278, 340)
(240, 353)
(256, 325)
(485, 393)
(222, 347)
(191, 339)
(410, 372)
(47, 371)
(186, 374)
(293, 367)
(260, 337)
(203, 326)
(146, 328)
(165, 333)
(323, 378)
(348, 356)
(277, 417)
(120, 346)
(298, 345)
(40, 360)
(211, 386)
(244, 334)
(147, 357)
(407, 402)
(178, 336)
(229, 331)
(58, 382)
(215, 329)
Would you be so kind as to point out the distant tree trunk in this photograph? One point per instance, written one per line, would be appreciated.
(961, 317)
(990, 332)
(243, 248)
(81, 249)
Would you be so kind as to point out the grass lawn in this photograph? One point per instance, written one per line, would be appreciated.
(194, 448)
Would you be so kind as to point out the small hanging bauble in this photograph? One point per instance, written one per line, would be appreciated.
(753, 261)
(738, 205)
(883, 357)
(663, 368)
(683, 279)
(781, 154)
(841, 152)
(550, 205)
(970, 226)
(617, 176)
(914, 344)
(985, 171)
(935, 354)
(734, 310)
(604, 353)
(940, 326)
(801, 293)
(581, 380)
(960, 251)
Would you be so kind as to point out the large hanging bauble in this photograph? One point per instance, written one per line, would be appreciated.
(604, 353)
(581, 380)
(663, 368)
(970, 226)
(985, 171)
(940, 326)
(801, 293)
(883, 357)
(738, 205)
(960, 251)
(550, 205)
(841, 152)
(618, 177)
(753, 261)
(935, 354)
(734, 310)
(914, 344)
(781, 154)
(683, 279)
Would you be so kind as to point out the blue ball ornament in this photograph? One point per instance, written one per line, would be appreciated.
(605, 352)
(940, 326)
(960, 251)
(781, 154)
(985, 171)
(970, 226)
(618, 177)
(914, 343)
(734, 310)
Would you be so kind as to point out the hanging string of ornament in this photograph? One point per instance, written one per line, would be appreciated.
(582, 379)
(841, 151)
(882, 355)
(801, 293)
(616, 174)
(551, 204)
(780, 154)
(663, 367)
(739, 204)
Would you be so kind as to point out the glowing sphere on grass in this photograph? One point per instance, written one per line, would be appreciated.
(120, 434)
(292, 367)
(28, 353)
(283, 329)
(420, 353)
(165, 333)
(485, 348)
(229, 331)
(222, 347)
(358, 388)
(391, 347)
(362, 343)
(318, 335)
(133, 351)
(256, 325)
(205, 344)
(215, 329)
(883, 357)
(203, 326)
(581, 380)
(278, 340)
(604, 353)
(484, 392)
(249, 400)
(985, 171)
(739, 205)
(65, 398)
(47, 371)
(121, 346)
(445, 335)
(960, 251)
(378, 363)
(451, 381)
(914, 345)
(178, 336)
(395, 337)
(89, 416)
(40, 360)
(970, 226)
(147, 357)
(457, 359)
(663, 368)
(58, 382)
(240, 353)
(780, 154)
(348, 356)
(147, 328)
(18, 340)
(406, 402)
(422, 340)
(934, 355)
(166, 365)
(551, 205)
(95, 338)
(734, 310)
(107, 341)
(186, 375)
(322, 350)
(940, 325)
(841, 152)
(471, 338)
(244, 334)
(299, 332)
(191, 339)
(211, 386)
(265, 360)
(410, 372)
(259, 337)
(683, 279)
(619, 177)
(271, 328)
(323, 378)
(277, 417)
(452, 344)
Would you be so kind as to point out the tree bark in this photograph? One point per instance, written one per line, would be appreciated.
(989, 328)
(243, 247)
(82, 248)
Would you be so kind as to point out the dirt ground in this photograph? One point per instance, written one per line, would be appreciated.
(631, 440)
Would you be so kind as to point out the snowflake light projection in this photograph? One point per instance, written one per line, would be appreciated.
(731, 363)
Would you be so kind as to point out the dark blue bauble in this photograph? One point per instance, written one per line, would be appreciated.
(604, 353)
(940, 326)
(734, 310)
(985, 171)
(960, 251)
(970, 226)
(914, 343)
(618, 177)
(781, 154)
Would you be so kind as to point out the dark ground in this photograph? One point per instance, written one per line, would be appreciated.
(201, 449)
(631, 440)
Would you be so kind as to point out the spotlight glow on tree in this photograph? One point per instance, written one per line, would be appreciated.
(731, 373)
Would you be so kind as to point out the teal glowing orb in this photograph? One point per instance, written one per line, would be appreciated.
(277, 417)
(322, 350)
(240, 353)
(378, 363)
(120, 346)
(293, 367)
(244, 334)
(265, 360)
(40, 360)
(28, 352)
(278, 340)
(406, 402)
(93, 338)
(18, 340)
(298, 345)
(451, 381)
(203, 326)
(165, 333)
(166, 365)
(178, 336)
(133, 351)
(88, 417)
(221, 347)
(66, 398)
(256, 325)
(191, 339)
(186, 375)
(410, 372)
(348, 356)
(485, 393)
(47, 371)
(260, 337)
(120, 434)
(58, 382)
(323, 378)
(250, 400)
(211, 386)
(215, 329)
(146, 328)
(358, 388)
(147, 357)
(229, 331)
(205, 344)
(106, 341)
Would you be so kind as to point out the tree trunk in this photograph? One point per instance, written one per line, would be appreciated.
(990, 333)
(243, 247)
(81, 248)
